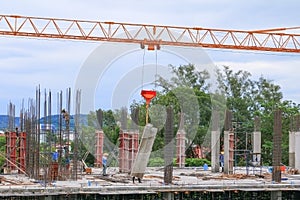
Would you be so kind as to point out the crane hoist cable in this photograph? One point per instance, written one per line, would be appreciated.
(148, 94)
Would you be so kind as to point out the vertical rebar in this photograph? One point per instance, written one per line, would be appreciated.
(11, 116)
(45, 122)
(180, 142)
(60, 131)
(135, 118)
(22, 117)
(50, 142)
(169, 147)
(29, 129)
(76, 131)
(99, 115)
(277, 140)
(228, 121)
(123, 118)
(37, 134)
(67, 118)
(43, 142)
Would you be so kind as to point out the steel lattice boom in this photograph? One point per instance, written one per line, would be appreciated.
(275, 40)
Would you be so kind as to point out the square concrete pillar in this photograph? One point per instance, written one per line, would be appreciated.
(292, 149)
(228, 152)
(215, 151)
(256, 147)
(297, 150)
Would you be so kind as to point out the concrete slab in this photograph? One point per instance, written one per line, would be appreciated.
(184, 179)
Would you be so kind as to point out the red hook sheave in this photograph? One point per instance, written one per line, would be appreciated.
(148, 95)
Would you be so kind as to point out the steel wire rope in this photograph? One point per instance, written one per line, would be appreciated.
(143, 66)
(155, 77)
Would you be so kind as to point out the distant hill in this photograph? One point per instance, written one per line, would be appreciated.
(4, 122)
(54, 121)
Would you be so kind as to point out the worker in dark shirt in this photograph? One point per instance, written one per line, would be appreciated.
(222, 161)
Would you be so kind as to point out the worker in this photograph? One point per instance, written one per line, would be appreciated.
(104, 164)
(222, 160)
(55, 156)
(66, 116)
(139, 179)
(67, 163)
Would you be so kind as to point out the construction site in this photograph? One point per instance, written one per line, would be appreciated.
(38, 167)
(45, 162)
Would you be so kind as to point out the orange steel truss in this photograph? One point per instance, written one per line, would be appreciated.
(275, 40)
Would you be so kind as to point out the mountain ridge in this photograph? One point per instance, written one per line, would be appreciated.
(4, 119)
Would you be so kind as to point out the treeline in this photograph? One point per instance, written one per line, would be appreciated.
(194, 94)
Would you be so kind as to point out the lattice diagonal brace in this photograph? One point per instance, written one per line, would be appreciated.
(276, 40)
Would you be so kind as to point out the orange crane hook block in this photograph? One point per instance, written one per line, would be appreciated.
(148, 96)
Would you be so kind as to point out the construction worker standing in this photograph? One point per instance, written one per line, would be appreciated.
(222, 160)
(104, 164)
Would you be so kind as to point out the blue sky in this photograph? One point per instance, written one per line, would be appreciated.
(26, 63)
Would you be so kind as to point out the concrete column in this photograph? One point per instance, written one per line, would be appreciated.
(169, 147)
(180, 148)
(99, 148)
(231, 152)
(277, 149)
(215, 142)
(292, 149)
(133, 147)
(256, 147)
(180, 143)
(143, 155)
(11, 150)
(276, 195)
(228, 144)
(22, 151)
(168, 196)
(122, 141)
(215, 151)
(228, 152)
(48, 197)
(297, 150)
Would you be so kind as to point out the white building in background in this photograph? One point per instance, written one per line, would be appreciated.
(50, 128)
(44, 128)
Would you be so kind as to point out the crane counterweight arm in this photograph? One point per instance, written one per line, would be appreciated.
(260, 40)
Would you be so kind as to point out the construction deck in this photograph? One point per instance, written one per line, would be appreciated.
(184, 180)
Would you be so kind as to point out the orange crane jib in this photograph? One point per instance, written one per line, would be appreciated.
(275, 39)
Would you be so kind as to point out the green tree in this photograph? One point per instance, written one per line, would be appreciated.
(245, 97)
(110, 127)
(187, 92)
(239, 90)
(2, 149)
(248, 98)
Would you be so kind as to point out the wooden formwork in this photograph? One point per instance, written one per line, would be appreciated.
(99, 148)
(128, 148)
